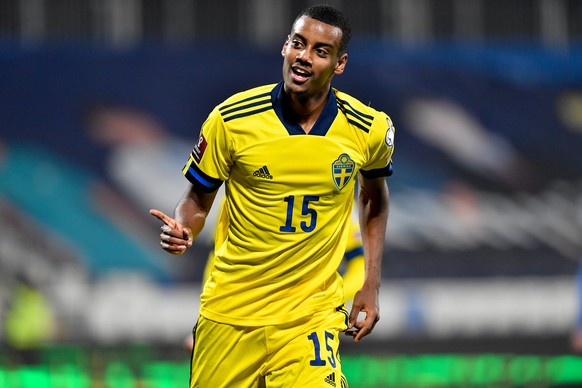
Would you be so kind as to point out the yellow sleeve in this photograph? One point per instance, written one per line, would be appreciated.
(381, 147)
(210, 161)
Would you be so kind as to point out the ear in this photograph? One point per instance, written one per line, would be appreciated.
(285, 45)
(341, 64)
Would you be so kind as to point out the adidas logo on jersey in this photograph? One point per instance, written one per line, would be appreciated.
(330, 379)
(263, 172)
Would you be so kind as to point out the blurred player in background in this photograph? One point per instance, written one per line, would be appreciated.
(289, 154)
(353, 263)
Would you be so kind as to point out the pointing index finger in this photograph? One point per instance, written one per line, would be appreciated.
(162, 216)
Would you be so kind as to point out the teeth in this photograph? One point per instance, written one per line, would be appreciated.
(299, 71)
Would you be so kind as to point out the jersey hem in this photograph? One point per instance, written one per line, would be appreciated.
(269, 321)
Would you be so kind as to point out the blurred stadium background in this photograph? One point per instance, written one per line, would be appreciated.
(100, 102)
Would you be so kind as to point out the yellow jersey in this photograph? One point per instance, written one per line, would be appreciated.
(282, 233)
(352, 268)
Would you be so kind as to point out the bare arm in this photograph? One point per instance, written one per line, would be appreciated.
(373, 205)
(189, 218)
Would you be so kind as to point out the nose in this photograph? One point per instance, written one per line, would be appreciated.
(304, 56)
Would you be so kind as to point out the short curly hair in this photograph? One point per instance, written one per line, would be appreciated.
(333, 16)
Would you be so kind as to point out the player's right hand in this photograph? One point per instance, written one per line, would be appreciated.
(174, 238)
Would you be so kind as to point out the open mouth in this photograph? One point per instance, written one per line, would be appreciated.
(300, 74)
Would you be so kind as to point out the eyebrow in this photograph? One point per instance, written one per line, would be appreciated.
(320, 44)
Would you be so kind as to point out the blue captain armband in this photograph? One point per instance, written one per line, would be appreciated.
(379, 172)
(202, 181)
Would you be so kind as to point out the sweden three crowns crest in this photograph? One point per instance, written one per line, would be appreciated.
(342, 170)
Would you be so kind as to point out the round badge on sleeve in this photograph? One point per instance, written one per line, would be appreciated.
(390, 134)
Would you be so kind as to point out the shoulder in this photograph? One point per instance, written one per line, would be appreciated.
(246, 102)
(354, 103)
(359, 114)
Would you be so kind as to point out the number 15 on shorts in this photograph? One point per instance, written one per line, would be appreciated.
(328, 352)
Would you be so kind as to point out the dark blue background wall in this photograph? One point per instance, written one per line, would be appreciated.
(512, 91)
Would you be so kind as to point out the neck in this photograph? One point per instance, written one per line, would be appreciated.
(307, 110)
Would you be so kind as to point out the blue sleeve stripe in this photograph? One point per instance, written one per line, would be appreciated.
(352, 253)
(201, 180)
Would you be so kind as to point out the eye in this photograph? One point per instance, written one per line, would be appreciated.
(296, 43)
(321, 52)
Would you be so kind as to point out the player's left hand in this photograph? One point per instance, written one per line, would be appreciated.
(365, 301)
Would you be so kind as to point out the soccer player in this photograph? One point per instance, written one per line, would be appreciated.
(289, 155)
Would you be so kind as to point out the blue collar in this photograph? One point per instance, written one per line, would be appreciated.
(322, 124)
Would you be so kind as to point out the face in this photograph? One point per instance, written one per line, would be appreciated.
(311, 57)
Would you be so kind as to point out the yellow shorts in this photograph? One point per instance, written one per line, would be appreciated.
(299, 354)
